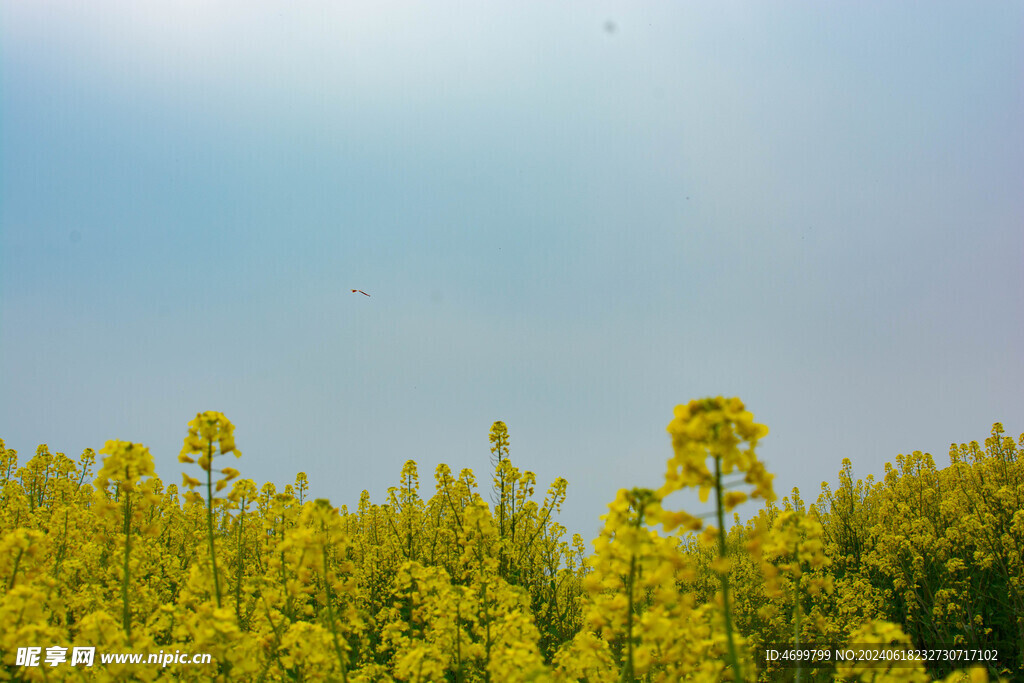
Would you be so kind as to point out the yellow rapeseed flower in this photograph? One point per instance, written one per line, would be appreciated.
(126, 463)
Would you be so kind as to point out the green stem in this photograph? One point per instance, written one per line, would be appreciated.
(238, 573)
(484, 605)
(796, 626)
(63, 544)
(627, 670)
(126, 618)
(209, 520)
(334, 627)
(14, 572)
(487, 624)
(733, 660)
(458, 639)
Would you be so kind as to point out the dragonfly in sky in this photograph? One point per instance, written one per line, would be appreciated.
(360, 291)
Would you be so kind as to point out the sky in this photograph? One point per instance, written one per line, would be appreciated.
(569, 216)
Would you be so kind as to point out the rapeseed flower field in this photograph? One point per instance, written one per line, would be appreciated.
(917, 575)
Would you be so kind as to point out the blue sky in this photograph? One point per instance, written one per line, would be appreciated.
(569, 216)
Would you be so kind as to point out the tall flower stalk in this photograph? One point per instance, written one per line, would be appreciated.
(210, 434)
(126, 463)
(724, 430)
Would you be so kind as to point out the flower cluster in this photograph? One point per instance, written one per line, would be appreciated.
(716, 427)
(126, 463)
(209, 433)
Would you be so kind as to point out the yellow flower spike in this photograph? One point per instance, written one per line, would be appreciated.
(720, 431)
(210, 434)
(126, 463)
(207, 429)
